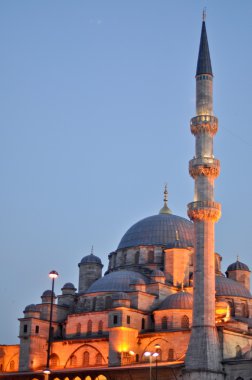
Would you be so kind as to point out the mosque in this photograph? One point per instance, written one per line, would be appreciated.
(164, 309)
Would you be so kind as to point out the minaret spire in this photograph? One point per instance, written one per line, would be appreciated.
(203, 358)
(165, 209)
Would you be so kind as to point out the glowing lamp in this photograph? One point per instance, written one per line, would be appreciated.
(147, 353)
(53, 274)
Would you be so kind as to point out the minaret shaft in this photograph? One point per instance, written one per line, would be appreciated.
(203, 356)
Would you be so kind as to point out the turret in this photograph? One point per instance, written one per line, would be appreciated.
(90, 271)
(240, 272)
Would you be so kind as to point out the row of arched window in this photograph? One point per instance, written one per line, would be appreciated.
(85, 360)
(89, 329)
(167, 322)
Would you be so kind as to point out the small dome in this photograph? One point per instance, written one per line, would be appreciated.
(120, 296)
(227, 287)
(91, 259)
(157, 273)
(118, 281)
(238, 266)
(181, 300)
(30, 308)
(47, 293)
(68, 285)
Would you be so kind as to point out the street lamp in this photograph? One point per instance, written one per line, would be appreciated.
(156, 354)
(52, 275)
(151, 355)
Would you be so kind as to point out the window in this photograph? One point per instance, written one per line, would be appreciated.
(150, 256)
(108, 302)
(164, 323)
(98, 359)
(12, 365)
(170, 354)
(86, 359)
(100, 327)
(36, 329)
(143, 323)
(128, 319)
(73, 361)
(54, 360)
(89, 327)
(137, 358)
(78, 329)
(137, 255)
(25, 328)
(238, 351)
(115, 319)
(159, 351)
(185, 322)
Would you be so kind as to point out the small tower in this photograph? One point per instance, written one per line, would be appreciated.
(90, 271)
(203, 357)
(240, 272)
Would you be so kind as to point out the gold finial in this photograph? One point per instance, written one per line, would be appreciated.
(238, 258)
(177, 235)
(165, 209)
(204, 14)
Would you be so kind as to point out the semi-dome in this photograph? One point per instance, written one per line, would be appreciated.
(160, 230)
(118, 281)
(47, 293)
(238, 265)
(68, 285)
(181, 300)
(91, 259)
(227, 287)
(157, 273)
(30, 308)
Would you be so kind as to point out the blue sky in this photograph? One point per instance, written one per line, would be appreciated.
(96, 99)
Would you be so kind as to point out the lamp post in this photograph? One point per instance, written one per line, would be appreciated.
(149, 355)
(156, 354)
(53, 275)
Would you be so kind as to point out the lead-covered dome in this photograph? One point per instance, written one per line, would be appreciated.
(238, 265)
(90, 259)
(227, 287)
(118, 281)
(181, 300)
(160, 230)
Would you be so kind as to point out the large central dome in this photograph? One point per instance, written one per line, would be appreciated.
(160, 230)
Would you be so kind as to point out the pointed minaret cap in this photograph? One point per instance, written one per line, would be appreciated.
(165, 209)
(204, 61)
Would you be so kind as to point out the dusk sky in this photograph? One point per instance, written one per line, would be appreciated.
(96, 101)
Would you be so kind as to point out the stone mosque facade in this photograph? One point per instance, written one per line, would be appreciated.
(164, 292)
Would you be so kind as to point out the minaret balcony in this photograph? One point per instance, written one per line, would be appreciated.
(204, 124)
(204, 166)
(204, 211)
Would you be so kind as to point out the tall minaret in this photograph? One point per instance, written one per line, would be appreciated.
(203, 358)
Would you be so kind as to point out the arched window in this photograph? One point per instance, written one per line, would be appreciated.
(101, 377)
(137, 256)
(185, 322)
(108, 302)
(143, 324)
(87, 378)
(89, 327)
(94, 303)
(86, 359)
(169, 322)
(164, 323)
(170, 354)
(159, 351)
(151, 256)
(78, 329)
(231, 308)
(98, 359)
(73, 361)
(238, 351)
(54, 360)
(100, 327)
(12, 365)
